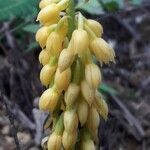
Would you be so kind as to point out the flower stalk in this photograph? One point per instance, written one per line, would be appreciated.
(71, 19)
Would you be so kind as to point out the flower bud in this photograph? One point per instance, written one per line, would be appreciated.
(46, 74)
(69, 140)
(82, 111)
(62, 80)
(49, 15)
(87, 145)
(71, 94)
(54, 142)
(48, 100)
(63, 4)
(54, 43)
(70, 121)
(62, 27)
(44, 57)
(102, 50)
(44, 3)
(65, 43)
(87, 92)
(95, 26)
(79, 41)
(101, 105)
(65, 59)
(42, 35)
(92, 75)
(93, 119)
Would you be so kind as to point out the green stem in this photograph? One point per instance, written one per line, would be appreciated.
(80, 21)
(86, 57)
(71, 19)
(53, 61)
(84, 134)
(51, 84)
(61, 23)
(59, 125)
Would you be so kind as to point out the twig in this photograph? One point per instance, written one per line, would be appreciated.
(127, 26)
(39, 118)
(3, 48)
(11, 119)
(145, 55)
(15, 110)
(9, 37)
(133, 122)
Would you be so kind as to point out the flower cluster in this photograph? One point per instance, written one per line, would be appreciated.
(69, 43)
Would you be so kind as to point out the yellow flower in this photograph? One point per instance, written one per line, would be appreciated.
(87, 92)
(95, 26)
(42, 35)
(93, 120)
(87, 145)
(101, 105)
(54, 142)
(44, 3)
(49, 15)
(63, 4)
(82, 110)
(62, 27)
(92, 75)
(54, 43)
(79, 41)
(46, 74)
(65, 43)
(62, 79)
(102, 50)
(70, 121)
(66, 59)
(71, 94)
(69, 140)
(48, 100)
(44, 57)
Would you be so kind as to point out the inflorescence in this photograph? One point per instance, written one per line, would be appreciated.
(69, 43)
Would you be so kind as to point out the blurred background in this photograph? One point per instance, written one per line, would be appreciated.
(126, 84)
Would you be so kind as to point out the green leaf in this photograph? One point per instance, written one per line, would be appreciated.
(136, 2)
(111, 5)
(13, 8)
(119, 2)
(32, 46)
(107, 89)
(91, 7)
(32, 28)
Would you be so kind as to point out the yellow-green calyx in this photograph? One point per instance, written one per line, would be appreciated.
(69, 41)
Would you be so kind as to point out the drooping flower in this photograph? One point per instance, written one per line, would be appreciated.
(79, 41)
(49, 15)
(54, 142)
(103, 52)
(48, 100)
(92, 75)
(96, 27)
